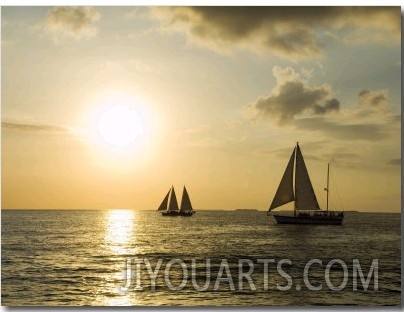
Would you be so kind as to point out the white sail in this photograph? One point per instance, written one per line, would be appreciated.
(305, 196)
(185, 201)
(173, 204)
(284, 194)
(163, 205)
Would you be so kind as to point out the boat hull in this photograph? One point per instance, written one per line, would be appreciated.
(310, 219)
(170, 213)
(175, 213)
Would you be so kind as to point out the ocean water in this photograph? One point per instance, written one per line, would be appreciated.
(59, 258)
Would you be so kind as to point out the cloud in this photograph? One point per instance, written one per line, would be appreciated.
(293, 102)
(353, 126)
(287, 32)
(374, 104)
(362, 132)
(394, 162)
(35, 128)
(73, 22)
(130, 14)
(293, 96)
(376, 100)
(331, 105)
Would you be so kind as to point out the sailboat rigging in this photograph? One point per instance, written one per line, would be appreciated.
(302, 194)
(169, 205)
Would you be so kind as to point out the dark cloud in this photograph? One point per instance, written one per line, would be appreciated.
(292, 97)
(75, 22)
(331, 105)
(394, 162)
(290, 32)
(361, 132)
(377, 100)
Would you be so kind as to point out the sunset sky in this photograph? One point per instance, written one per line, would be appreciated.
(107, 107)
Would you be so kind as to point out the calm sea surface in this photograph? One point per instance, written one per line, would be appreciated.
(80, 258)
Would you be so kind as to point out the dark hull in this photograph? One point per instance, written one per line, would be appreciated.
(175, 213)
(311, 219)
(172, 213)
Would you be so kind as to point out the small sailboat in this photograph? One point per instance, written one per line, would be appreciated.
(306, 207)
(186, 206)
(169, 205)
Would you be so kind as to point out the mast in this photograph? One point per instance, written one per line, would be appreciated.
(294, 203)
(328, 182)
(305, 195)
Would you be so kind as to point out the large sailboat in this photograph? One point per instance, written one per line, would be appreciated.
(306, 207)
(169, 205)
(186, 206)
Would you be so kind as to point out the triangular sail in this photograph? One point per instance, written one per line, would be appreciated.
(173, 204)
(284, 194)
(305, 196)
(185, 201)
(163, 205)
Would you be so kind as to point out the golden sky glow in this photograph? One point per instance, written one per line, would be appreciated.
(107, 107)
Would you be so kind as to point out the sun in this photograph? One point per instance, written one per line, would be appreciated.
(119, 122)
(120, 126)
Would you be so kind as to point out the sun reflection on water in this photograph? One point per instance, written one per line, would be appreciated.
(119, 232)
(120, 238)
